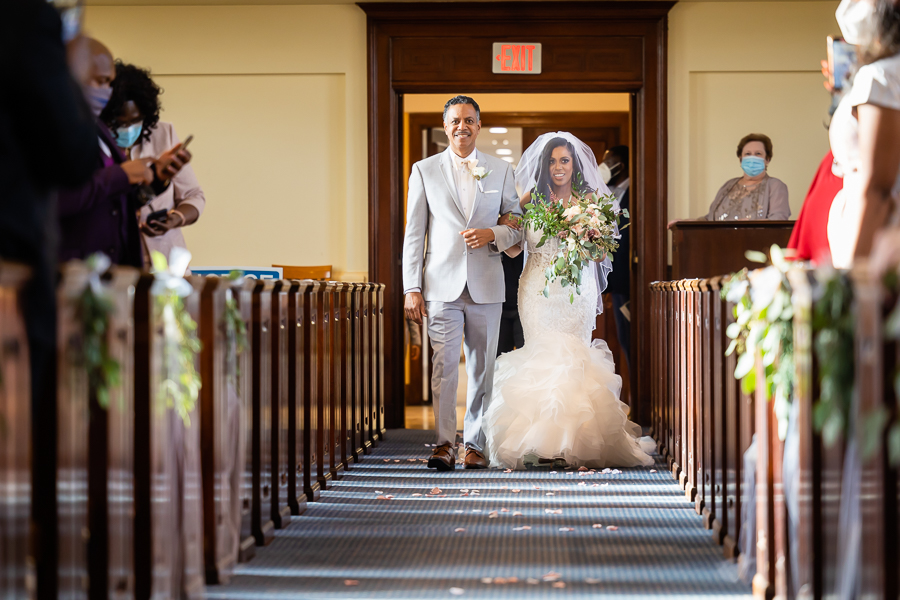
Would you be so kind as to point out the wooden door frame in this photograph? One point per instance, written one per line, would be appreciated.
(590, 47)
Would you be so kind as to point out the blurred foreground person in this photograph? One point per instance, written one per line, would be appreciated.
(865, 131)
(41, 108)
(133, 116)
(100, 216)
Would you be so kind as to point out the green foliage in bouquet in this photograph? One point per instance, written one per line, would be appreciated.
(585, 226)
(235, 332)
(833, 325)
(94, 309)
(181, 387)
(892, 332)
(764, 323)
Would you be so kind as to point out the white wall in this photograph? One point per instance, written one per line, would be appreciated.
(276, 99)
(737, 68)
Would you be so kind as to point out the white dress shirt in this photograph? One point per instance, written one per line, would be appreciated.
(466, 185)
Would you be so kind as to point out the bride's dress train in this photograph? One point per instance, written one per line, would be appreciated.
(558, 396)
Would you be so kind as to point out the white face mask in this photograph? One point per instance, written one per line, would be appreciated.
(605, 173)
(857, 22)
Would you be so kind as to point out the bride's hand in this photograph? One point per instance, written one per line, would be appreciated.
(511, 221)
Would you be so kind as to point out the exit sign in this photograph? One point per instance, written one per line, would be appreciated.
(517, 58)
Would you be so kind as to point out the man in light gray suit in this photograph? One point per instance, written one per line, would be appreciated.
(452, 272)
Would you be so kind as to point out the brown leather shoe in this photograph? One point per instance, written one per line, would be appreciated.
(475, 459)
(443, 458)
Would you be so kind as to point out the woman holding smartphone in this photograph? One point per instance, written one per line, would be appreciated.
(132, 114)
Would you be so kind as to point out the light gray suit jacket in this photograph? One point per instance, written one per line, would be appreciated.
(435, 256)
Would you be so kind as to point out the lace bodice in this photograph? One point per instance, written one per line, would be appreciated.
(554, 314)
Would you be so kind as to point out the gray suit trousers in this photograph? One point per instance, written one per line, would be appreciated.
(449, 323)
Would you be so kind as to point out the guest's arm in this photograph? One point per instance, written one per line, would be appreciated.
(505, 236)
(105, 183)
(779, 207)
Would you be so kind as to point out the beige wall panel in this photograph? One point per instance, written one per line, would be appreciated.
(274, 179)
(735, 67)
(720, 118)
(300, 99)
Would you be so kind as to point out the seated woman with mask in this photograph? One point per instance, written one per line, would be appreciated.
(132, 114)
(754, 195)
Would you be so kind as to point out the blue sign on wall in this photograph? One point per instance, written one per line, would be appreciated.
(249, 272)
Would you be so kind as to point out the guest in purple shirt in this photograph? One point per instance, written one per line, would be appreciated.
(101, 215)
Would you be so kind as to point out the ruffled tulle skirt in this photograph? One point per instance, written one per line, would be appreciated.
(559, 398)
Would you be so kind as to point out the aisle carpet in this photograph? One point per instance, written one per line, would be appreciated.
(390, 528)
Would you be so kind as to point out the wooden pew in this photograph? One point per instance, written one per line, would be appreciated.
(366, 366)
(379, 361)
(16, 553)
(168, 512)
(222, 442)
(190, 579)
(342, 378)
(111, 450)
(357, 437)
(297, 328)
(324, 383)
(280, 356)
(73, 416)
(261, 444)
(311, 360)
(242, 291)
(336, 375)
(876, 362)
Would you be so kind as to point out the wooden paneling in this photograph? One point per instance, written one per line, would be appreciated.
(588, 47)
(16, 553)
(710, 248)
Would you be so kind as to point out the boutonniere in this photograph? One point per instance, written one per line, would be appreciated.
(480, 173)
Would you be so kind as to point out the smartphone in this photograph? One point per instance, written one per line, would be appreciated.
(158, 215)
(187, 141)
(841, 61)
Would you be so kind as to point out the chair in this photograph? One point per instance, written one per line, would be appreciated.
(321, 273)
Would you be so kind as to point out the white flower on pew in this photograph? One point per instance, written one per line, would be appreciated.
(764, 284)
(169, 275)
(97, 264)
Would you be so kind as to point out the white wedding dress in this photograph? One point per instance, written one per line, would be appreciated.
(558, 396)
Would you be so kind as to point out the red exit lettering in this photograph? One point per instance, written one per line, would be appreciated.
(514, 57)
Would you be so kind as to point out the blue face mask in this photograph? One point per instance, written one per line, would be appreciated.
(127, 136)
(97, 98)
(753, 165)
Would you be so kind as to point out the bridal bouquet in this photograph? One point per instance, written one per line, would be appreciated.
(586, 228)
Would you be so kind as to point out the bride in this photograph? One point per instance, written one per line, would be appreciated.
(556, 400)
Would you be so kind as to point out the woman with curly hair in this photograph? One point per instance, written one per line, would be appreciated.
(132, 114)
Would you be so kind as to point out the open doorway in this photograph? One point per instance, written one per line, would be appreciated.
(510, 123)
(588, 47)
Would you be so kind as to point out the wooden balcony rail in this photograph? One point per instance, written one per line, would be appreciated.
(151, 504)
(806, 492)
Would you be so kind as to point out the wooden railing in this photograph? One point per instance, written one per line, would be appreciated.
(153, 505)
(704, 425)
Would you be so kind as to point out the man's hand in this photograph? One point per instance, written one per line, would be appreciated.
(171, 161)
(138, 171)
(414, 307)
(476, 238)
(157, 228)
(510, 220)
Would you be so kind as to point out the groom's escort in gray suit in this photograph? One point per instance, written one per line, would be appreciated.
(463, 287)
